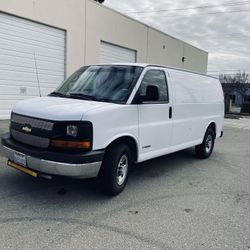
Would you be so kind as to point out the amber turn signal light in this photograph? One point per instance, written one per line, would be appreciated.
(71, 144)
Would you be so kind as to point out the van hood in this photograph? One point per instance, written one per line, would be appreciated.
(57, 108)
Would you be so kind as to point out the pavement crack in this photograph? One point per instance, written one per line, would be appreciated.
(130, 206)
(82, 223)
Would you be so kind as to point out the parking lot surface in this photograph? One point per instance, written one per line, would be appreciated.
(173, 202)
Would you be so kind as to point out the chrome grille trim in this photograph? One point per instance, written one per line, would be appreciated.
(33, 122)
(31, 140)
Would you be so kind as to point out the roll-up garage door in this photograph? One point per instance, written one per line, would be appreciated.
(111, 53)
(21, 42)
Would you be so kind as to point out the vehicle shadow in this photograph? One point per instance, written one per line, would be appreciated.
(62, 187)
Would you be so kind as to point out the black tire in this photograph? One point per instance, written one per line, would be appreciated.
(205, 149)
(112, 175)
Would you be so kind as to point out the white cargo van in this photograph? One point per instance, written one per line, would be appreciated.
(103, 118)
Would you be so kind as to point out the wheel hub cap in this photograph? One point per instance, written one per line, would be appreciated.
(209, 143)
(122, 170)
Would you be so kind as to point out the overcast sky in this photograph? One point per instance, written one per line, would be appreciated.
(226, 36)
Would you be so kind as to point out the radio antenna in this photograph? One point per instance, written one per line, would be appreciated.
(37, 76)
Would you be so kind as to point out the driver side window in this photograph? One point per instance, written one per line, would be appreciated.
(157, 78)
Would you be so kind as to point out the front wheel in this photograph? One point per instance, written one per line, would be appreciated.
(205, 149)
(115, 169)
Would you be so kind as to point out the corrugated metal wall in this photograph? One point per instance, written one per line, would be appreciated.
(111, 53)
(20, 39)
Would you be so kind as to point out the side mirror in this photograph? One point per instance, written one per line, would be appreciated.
(152, 94)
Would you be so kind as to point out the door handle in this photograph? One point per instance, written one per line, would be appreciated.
(170, 112)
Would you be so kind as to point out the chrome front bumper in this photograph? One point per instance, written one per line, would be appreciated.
(86, 170)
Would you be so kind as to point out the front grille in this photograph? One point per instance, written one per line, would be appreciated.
(31, 140)
(33, 122)
(39, 134)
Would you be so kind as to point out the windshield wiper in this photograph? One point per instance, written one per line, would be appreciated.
(92, 98)
(82, 96)
(56, 94)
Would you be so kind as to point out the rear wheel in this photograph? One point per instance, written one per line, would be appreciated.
(115, 169)
(205, 149)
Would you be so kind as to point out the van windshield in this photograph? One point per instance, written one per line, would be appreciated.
(111, 83)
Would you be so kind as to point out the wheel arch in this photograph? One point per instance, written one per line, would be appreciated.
(212, 125)
(129, 140)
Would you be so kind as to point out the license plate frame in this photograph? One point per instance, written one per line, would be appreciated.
(20, 159)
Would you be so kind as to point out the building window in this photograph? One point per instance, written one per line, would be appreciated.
(247, 99)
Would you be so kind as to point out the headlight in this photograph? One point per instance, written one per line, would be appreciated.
(72, 130)
(76, 135)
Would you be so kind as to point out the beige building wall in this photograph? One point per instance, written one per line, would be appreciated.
(104, 24)
(195, 59)
(152, 46)
(164, 49)
(87, 23)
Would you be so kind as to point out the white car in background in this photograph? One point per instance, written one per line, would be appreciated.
(103, 118)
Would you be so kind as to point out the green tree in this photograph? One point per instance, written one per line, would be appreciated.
(238, 82)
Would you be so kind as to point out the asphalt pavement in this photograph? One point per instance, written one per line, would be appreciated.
(172, 202)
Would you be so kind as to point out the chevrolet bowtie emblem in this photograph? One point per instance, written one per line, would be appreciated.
(27, 128)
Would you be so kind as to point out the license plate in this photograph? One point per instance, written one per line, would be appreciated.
(20, 159)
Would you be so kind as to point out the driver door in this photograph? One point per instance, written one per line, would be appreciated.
(155, 117)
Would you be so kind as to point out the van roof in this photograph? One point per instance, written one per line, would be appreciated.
(144, 65)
